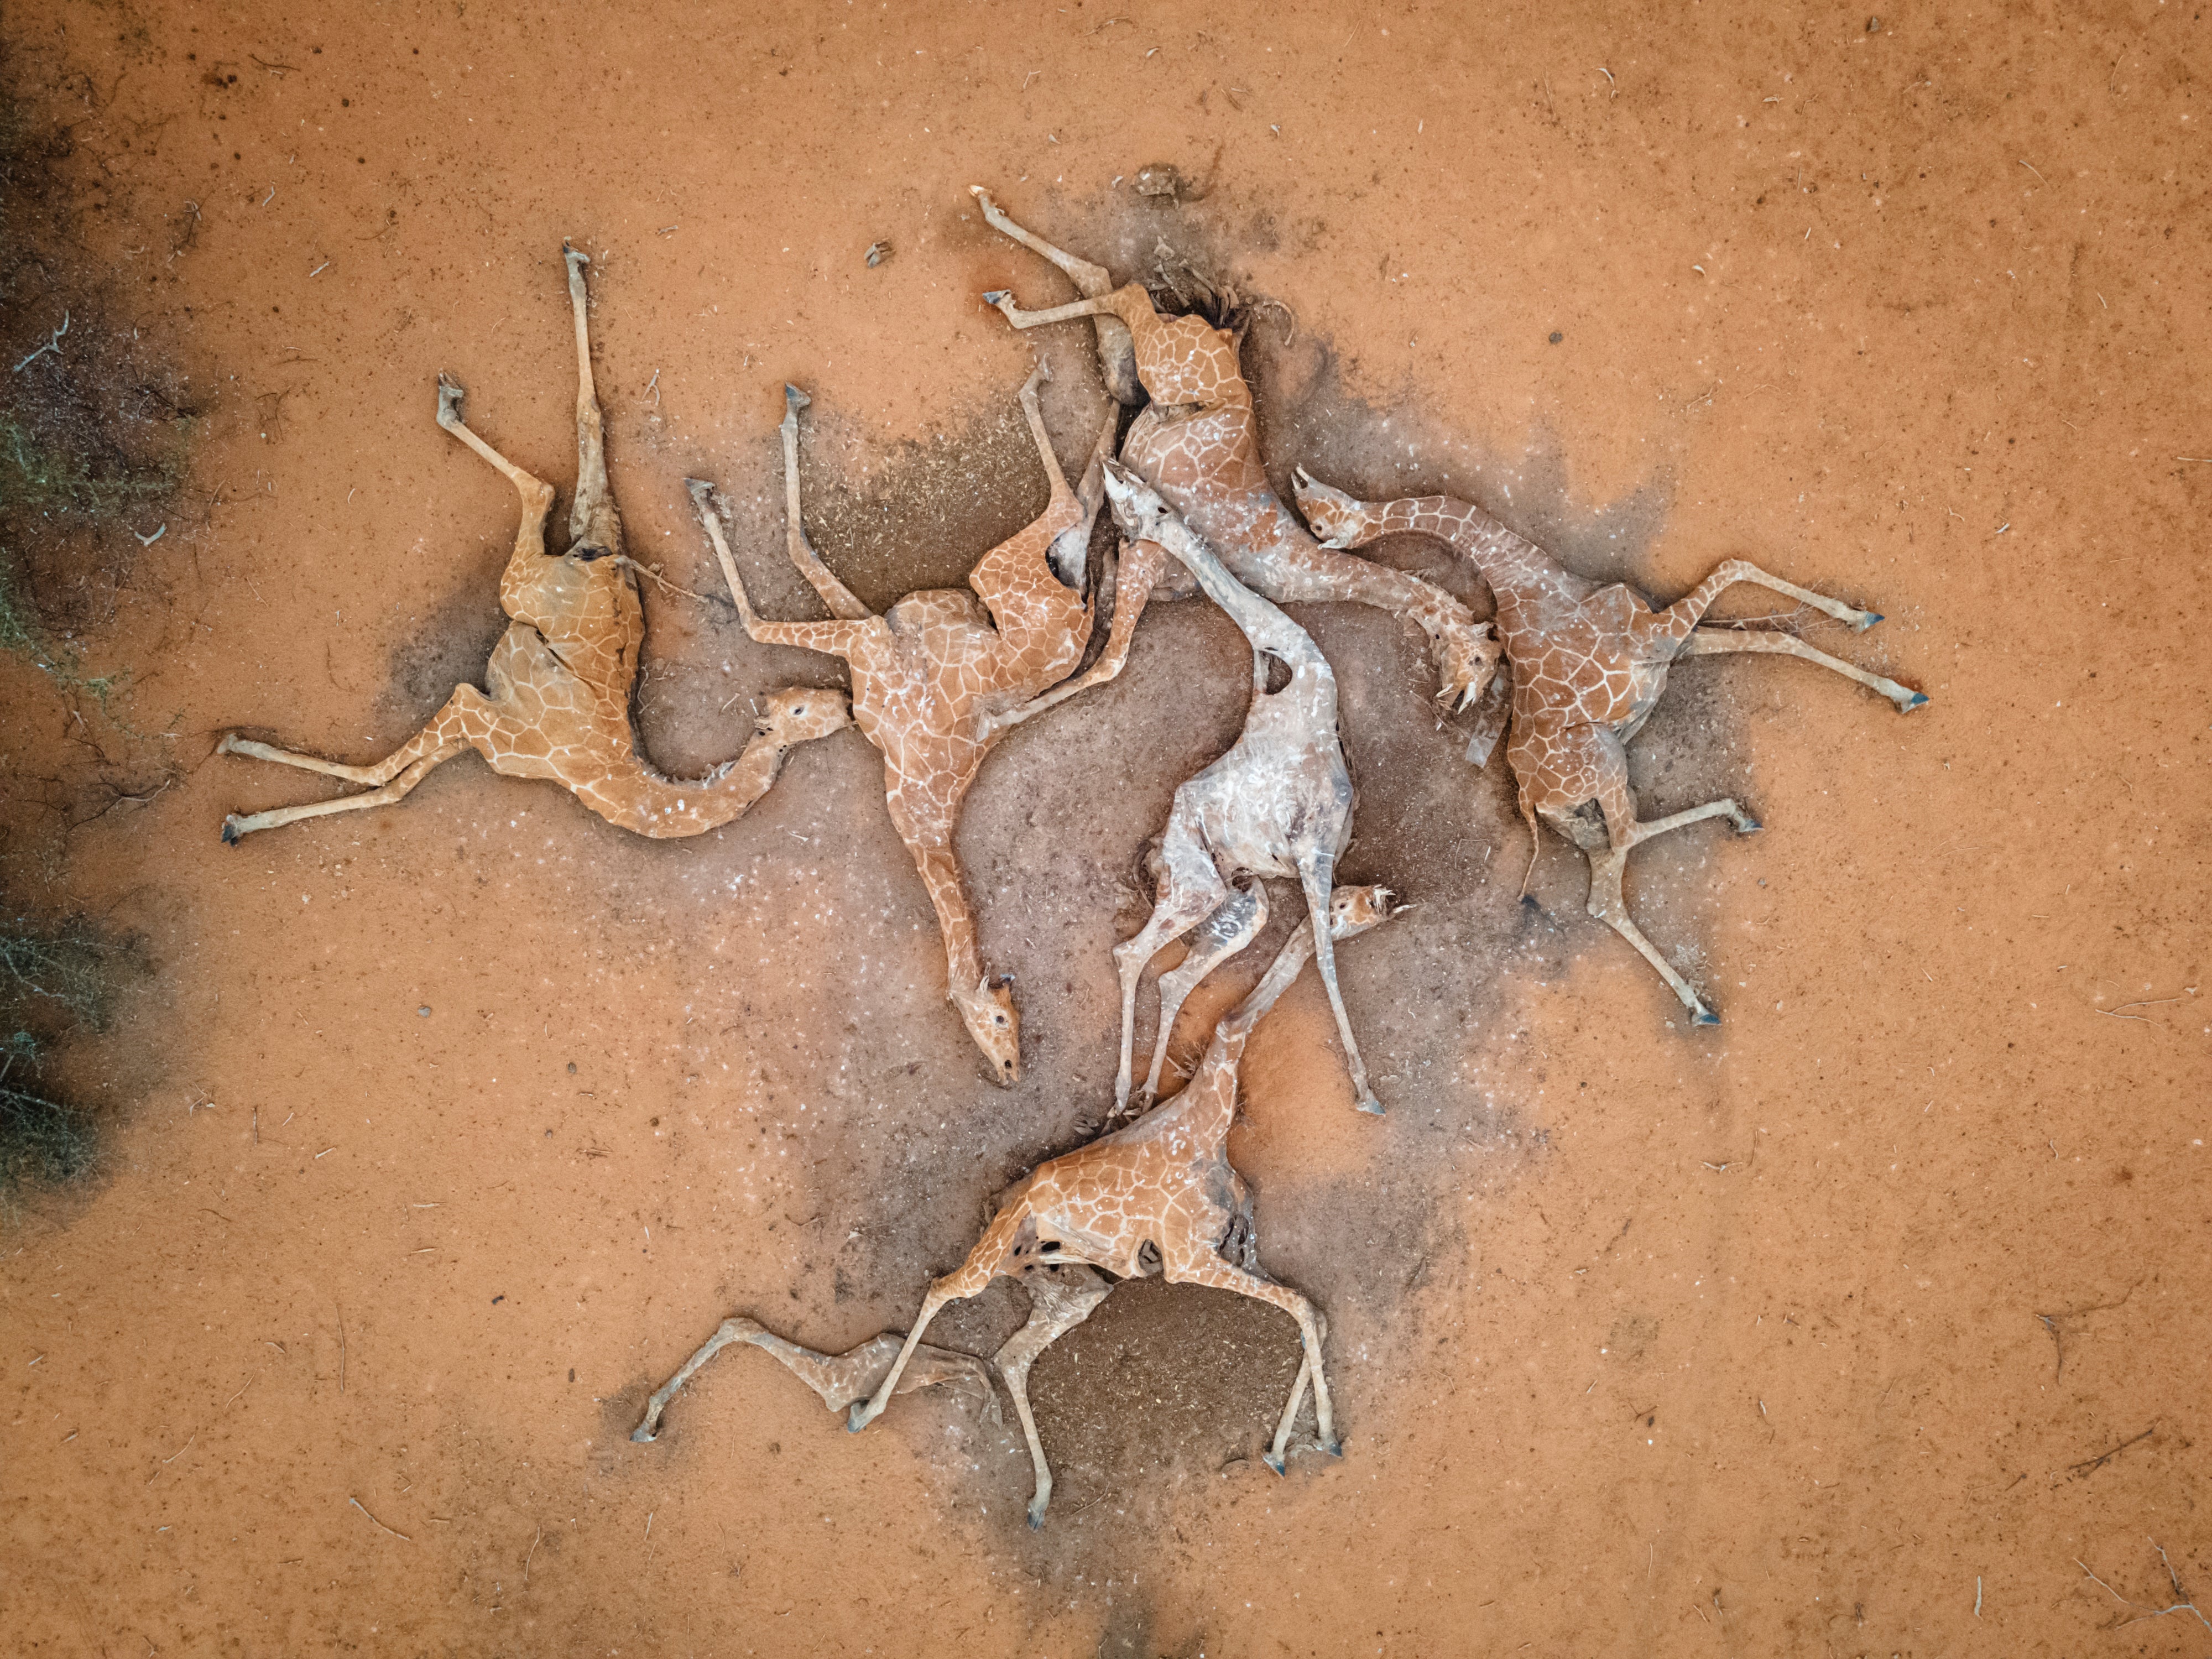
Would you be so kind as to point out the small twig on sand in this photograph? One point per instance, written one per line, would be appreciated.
(52, 344)
(533, 1551)
(2091, 1465)
(377, 1524)
(2039, 179)
(651, 573)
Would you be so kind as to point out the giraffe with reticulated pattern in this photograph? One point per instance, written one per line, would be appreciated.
(939, 678)
(1198, 443)
(557, 690)
(1157, 1196)
(1588, 662)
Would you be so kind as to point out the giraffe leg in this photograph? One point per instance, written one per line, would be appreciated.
(1202, 1266)
(445, 726)
(1315, 875)
(1715, 642)
(1141, 566)
(1297, 1400)
(536, 494)
(819, 576)
(1676, 621)
(1056, 1308)
(468, 718)
(593, 520)
(1117, 351)
(1608, 864)
(1092, 281)
(838, 639)
(1191, 889)
(1067, 313)
(1055, 480)
(1221, 936)
(236, 827)
(839, 1379)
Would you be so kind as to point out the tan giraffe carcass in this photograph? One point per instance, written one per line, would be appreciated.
(939, 678)
(1588, 662)
(558, 689)
(1160, 1191)
(1198, 443)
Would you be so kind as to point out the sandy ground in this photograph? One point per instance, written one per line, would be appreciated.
(1805, 1336)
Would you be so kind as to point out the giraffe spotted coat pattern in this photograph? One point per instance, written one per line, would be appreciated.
(1198, 443)
(939, 678)
(1588, 662)
(555, 703)
(1160, 1191)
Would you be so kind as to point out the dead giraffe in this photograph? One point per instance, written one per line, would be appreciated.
(1162, 1190)
(939, 678)
(556, 702)
(1277, 804)
(1198, 443)
(1588, 663)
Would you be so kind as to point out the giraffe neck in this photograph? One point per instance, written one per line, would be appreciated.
(1510, 564)
(1207, 1105)
(650, 802)
(1264, 625)
(963, 959)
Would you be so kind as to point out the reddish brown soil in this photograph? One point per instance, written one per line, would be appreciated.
(1804, 1336)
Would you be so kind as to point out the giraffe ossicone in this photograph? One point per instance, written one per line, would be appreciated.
(555, 703)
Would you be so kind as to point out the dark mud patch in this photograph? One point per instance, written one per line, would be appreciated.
(448, 648)
(1163, 1385)
(881, 1185)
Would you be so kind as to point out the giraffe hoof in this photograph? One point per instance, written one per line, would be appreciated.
(1335, 1447)
(998, 296)
(1036, 1518)
(642, 1436)
(1866, 619)
(1750, 826)
(1703, 1016)
(232, 834)
(1271, 1460)
(1371, 1106)
(1918, 699)
(857, 1419)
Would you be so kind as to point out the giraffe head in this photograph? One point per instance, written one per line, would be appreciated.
(1467, 655)
(988, 1013)
(1137, 507)
(1353, 910)
(1337, 520)
(799, 713)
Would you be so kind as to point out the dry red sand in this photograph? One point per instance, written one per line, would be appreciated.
(1802, 1336)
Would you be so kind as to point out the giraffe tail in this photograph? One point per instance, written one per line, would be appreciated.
(1535, 844)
